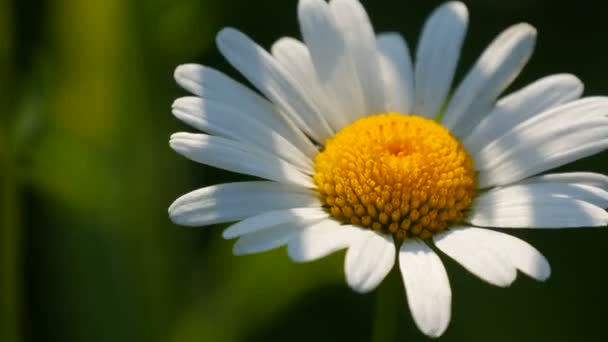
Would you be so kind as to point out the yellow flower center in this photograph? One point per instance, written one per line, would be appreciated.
(399, 174)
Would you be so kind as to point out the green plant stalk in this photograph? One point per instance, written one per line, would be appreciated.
(388, 308)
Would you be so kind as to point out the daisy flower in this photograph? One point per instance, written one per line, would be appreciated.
(361, 147)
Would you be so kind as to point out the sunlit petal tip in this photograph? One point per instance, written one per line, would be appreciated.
(527, 32)
(543, 270)
(185, 71)
(175, 138)
(181, 142)
(180, 214)
(174, 213)
(527, 28)
(227, 33)
(524, 32)
(570, 80)
(180, 135)
(455, 7)
(573, 79)
(185, 102)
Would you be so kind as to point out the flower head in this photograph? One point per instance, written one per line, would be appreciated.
(361, 148)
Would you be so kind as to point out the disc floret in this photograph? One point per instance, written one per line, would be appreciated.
(400, 174)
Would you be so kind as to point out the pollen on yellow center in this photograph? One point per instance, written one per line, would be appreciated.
(399, 174)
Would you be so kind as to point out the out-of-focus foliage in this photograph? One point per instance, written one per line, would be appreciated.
(87, 252)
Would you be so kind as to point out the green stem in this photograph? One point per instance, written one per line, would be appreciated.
(388, 308)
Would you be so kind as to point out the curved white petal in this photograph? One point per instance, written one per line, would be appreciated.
(265, 240)
(550, 139)
(533, 149)
(502, 210)
(437, 55)
(587, 193)
(544, 94)
(236, 201)
(223, 120)
(237, 157)
(304, 216)
(213, 85)
(358, 33)
(597, 180)
(295, 58)
(320, 240)
(495, 69)
(397, 73)
(589, 108)
(329, 52)
(522, 255)
(492, 256)
(368, 260)
(427, 286)
(262, 70)
(475, 253)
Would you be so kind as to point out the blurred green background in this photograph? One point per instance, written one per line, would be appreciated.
(87, 252)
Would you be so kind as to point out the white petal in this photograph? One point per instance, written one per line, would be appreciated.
(597, 180)
(330, 55)
(544, 94)
(495, 69)
(213, 85)
(219, 119)
(237, 157)
(294, 56)
(587, 193)
(522, 255)
(437, 55)
(501, 210)
(472, 250)
(368, 260)
(360, 40)
(532, 149)
(320, 240)
(273, 81)
(236, 201)
(427, 286)
(492, 256)
(273, 218)
(550, 139)
(266, 239)
(397, 72)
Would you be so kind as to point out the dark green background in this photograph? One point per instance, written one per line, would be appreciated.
(87, 252)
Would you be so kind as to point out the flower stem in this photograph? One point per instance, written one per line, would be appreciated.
(388, 309)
